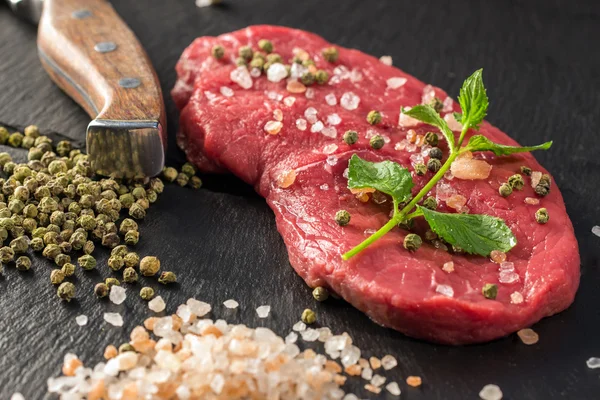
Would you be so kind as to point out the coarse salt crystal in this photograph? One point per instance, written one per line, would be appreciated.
(292, 337)
(393, 388)
(114, 319)
(387, 60)
(448, 267)
(367, 373)
(157, 304)
(593, 362)
(278, 115)
(297, 70)
(369, 232)
(350, 355)
(183, 392)
(388, 362)
(324, 187)
(17, 396)
(299, 326)
(490, 392)
(311, 115)
(528, 336)
(210, 95)
(289, 101)
(255, 72)
(310, 93)
(470, 169)
(516, 298)
(535, 178)
(456, 201)
(330, 148)
(331, 99)
(349, 101)
(273, 127)
(447, 104)
(301, 124)
(453, 124)
(497, 256)
(231, 304)
(241, 76)
(117, 294)
(333, 119)
(81, 320)
(428, 94)
(596, 230)
(329, 131)
(127, 360)
(217, 383)
(184, 312)
(263, 311)
(506, 265)
(294, 86)
(206, 3)
(443, 191)
(276, 72)
(198, 308)
(395, 82)
(508, 277)
(350, 396)
(286, 179)
(317, 127)
(401, 145)
(378, 380)
(445, 290)
(531, 201)
(406, 121)
(226, 91)
(310, 335)
(414, 381)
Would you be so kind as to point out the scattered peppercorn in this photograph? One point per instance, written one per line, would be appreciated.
(412, 242)
(130, 275)
(131, 259)
(420, 169)
(149, 266)
(66, 291)
(167, 277)
(36, 244)
(374, 117)
(147, 293)
(431, 138)
(67, 269)
(490, 291)
(330, 54)
(342, 217)
(308, 316)
(87, 262)
(542, 216)
(57, 277)
(543, 186)
(516, 181)
(436, 152)
(377, 142)
(195, 182)
(101, 289)
(20, 244)
(436, 104)
(245, 52)
(115, 262)
(434, 165)
(132, 238)
(125, 347)
(321, 77)
(7, 254)
(23, 263)
(62, 259)
(170, 174)
(320, 293)
(505, 190)
(307, 78)
(526, 170)
(430, 203)
(110, 282)
(136, 211)
(88, 247)
(350, 137)
(218, 51)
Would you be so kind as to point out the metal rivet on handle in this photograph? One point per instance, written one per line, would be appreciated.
(81, 14)
(129, 83)
(105, 47)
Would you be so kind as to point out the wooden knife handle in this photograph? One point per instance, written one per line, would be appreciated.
(97, 60)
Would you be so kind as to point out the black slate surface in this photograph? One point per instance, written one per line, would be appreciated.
(542, 70)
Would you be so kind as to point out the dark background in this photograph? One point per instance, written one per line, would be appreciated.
(542, 71)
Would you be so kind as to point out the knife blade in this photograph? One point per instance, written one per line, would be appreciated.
(91, 54)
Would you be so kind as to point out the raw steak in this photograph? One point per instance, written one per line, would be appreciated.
(223, 128)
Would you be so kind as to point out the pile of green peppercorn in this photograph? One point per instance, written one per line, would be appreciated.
(55, 205)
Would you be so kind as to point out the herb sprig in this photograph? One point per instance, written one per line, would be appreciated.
(474, 233)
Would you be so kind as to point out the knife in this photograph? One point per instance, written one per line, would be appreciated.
(91, 54)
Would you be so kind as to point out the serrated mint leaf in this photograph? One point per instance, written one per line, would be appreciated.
(481, 143)
(474, 233)
(473, 100)
(386, 176)
(457, 116)
(426, 113)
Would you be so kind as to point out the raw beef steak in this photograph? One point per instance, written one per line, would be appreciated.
(299, 166)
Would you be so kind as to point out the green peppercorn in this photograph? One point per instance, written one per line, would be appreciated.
(131, 259)
(436, 104)
(4, 157)
(436, 152)
(330, 54)
(63, 148)
(218, 51)
(374, 117)
(274, 58)
(195, 182)
(101, 290)
(144, 203)
(321, 77)
(48, 205)
(9, 168)
(541, 216)
(157, 185)
(15, 139)
(265, 45)
(37, 244)
(431, 138)
(241, 62)
(34, 154)
(128, 225)
(377, 142)
(149, 266)
(434, 165)
(342, 217)
(420, 169)
(412, 242)
(147, 293)
(126, 347)
(51, 237)
(87, 222)
(110, 240)
(130, 275)
(182, 179)
(87, 262)
(350, 137)
(3, 235)
(139, 193)
(307, 63)
(320, 293)
(308, 316)
(22, 194)
(526, 170)
(132, 238)
(136, 211)
(57, 166)
(126, 200)
(489, 291)
(430, 203)
(256, 63)
(505, 190)
(120, 251)
(516, 182)
(32, 131)
(307, 78)
(7, 254)
(170, 174)
(66, 291)
(3, 135)
(543, 186)
(62, 259)
(167, 277)
(115, 262)
(57, 277)
(246, 52)
(110, 282)
(23, 263)
(51, 251)
(151, 195)
(430, 235)
(68, 269)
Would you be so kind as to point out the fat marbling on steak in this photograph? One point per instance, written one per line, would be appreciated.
(299, 167)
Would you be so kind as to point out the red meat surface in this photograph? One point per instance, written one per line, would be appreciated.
(394, 287)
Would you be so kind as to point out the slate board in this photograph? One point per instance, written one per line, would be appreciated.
(542, 72)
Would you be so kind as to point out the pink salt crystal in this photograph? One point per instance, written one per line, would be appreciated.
(444, 191)
(286, 179)
(535, 178)
(278, 115)
(428, 94)
(508, 277)
(401, 145)
(467, 155)
(532, 201)
(420, 140)
(447, 105)
(448, 267)
(407, 122)
(516, 298)
(497, 256)
(456, 201)
(411, 135)
(507, 266)
(273, 127)
(289, 101)
(453, 124)
(387, 60)
(470, 169)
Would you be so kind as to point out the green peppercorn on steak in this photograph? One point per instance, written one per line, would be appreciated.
(268, 119)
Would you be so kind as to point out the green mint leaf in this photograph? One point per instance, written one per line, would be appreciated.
(481, 143)
(426, 113)
(474, 233)
(386, 176)
(457, 116)
(473, 100)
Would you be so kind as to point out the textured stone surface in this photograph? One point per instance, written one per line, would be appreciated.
(542, 75)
